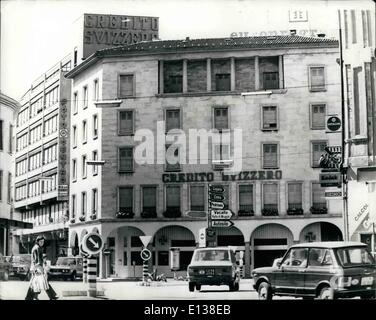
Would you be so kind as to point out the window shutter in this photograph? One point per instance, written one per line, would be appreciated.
(197, 198)
(318, 116)
(126, 85)
(270, 156)
(172, 119)
(173, 196)
(295, 194)
(125, 199)
(317, 78)
(126, 122)
(270, 195)
(149, 197)
(245, 195)
(221, 118)
(269, 117)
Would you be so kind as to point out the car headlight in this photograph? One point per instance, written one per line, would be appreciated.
(201, 271)
(346, 282)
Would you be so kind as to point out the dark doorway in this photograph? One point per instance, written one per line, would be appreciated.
(330, 232)
(265, 258)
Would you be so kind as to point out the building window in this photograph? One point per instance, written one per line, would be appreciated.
(221, 151)
(174, 84)
(96, 90)
(269, 118)
(1, 185)
(52, 97)
(74, 170)
(149, 201)
(74, 137)
(125, 122)
(222, 82)
(74, 206)
(126, 85)
(85, 97)
(75, 56)
(365, 31)
(126, 159)
(270, 80)
(95, 158)
(221, 118)
(172, 158)
(95, 126)
(270, 199)
(94, 202)
(84, 167)
(1, 135)
(10, 138)
(197, 198)
(369, 28)
(75, 103)
(245, 199)
(173, 200)
(84, 131)
(318, 148)
(172, 119)
(83, 203)
(270, 155)
(318, 112)
(318, 198)
(126, 200)
(317, 78)
(295, 198)
(353, 25)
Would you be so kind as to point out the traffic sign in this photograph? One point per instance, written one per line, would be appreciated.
(330, 179)
(92, 243)
(216, 205)
(216, 189)
(334, 193)
(145, 240)
(216, 197)
(145, 254)
(220, 214)
(333, 123)
(221, 223)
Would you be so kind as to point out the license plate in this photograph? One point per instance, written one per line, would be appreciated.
(210, 272)
(366, 281)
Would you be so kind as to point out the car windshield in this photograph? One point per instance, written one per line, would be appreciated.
(65, 261)
(354, 256)
(211, 255)
(21, 259)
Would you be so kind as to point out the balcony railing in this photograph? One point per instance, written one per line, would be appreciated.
(245, 210)
(172, 212)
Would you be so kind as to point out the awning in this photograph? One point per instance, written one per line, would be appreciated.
(366, 174)
(15, 224)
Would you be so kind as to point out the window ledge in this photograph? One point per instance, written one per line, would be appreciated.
(108, 103)
(219, 93)
(358, 139)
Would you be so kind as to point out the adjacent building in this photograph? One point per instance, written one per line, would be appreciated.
(9, 220)
(276, 91)
(41, 177)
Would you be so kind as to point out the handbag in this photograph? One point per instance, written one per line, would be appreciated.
(39, 282)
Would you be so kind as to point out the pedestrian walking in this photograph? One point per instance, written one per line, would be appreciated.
(39, 279)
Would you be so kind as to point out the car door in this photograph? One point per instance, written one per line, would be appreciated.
(320, 263)
(289, 277)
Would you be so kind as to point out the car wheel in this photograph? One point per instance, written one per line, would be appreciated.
(264, 291)
(326, 293)
(191, 286)
(198, 287)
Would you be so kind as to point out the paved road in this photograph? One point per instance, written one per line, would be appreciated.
(176, 290)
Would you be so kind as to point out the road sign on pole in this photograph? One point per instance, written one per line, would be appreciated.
(333, 123)
(220, 214)
(216, 197)
(145, 254)
(216, 205)
(92, 243)
(221, 223)
(330, 179)
(145, 240)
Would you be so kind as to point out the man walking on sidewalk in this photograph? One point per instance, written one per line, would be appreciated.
(37, 268)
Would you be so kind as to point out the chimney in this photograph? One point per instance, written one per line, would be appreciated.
(321, 35)
(293, 32)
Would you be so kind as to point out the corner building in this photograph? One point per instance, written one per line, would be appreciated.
(41, 179)
(277, 90)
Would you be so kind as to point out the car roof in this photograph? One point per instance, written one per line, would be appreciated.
(329, 244)
(213, 248)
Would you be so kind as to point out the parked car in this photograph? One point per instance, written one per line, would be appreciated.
(324, 270)
(66, 268)
(5, 267)
(20, 266)
(213, 266)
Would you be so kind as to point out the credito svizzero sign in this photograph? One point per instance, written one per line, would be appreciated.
(103, 31)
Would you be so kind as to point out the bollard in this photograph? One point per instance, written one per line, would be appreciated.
(144, 272)
(84, 270)
(92, 276)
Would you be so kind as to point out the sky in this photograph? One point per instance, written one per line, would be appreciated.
(35, 34)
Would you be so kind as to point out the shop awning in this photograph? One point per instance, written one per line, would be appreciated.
(366, 174)
(15, 223)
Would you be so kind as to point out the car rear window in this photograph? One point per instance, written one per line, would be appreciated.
(211, 255)
(354, 256)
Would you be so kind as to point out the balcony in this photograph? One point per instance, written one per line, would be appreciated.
(319, 208)
(246, 211)
(295, 209)
(149, 212)
(270, 210)
(125, 213)
(172, 212)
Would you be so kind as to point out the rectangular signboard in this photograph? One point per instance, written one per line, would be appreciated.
(333, 194)
(221, 223)
(330, 179)
(220, 214)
